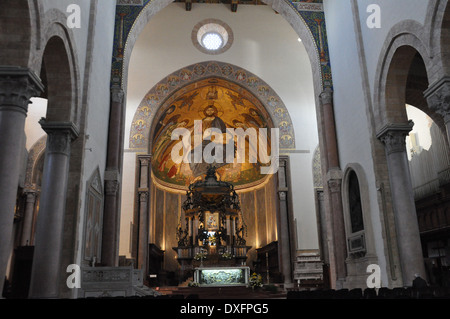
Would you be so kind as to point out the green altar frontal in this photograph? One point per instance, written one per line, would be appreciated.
(222, 276)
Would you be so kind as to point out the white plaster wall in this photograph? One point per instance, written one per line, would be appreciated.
(98, 100)
(350, 107)
(264, 44)
(392, 12)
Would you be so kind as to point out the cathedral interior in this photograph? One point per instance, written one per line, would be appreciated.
(157, 147)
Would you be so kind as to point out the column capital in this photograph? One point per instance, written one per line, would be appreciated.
(334, 180)
(282, 195)
(283, 160)
(30, 196)
(117, 95)
(60, 136)
(143, 194)
(111, 187)
(17, 86)
(326, 97)
(393, 136)
(335, 185)
(144, 159)
(438, 97)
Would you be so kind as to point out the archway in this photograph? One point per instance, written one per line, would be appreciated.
(310, 34)
(404, 75)
(307, 21)
(19, 83)
(235, 76)
(58, 196)
(162, 184)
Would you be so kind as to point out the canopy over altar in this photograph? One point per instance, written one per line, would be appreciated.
(211, 243)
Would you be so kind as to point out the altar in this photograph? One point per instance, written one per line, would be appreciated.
(222, 276)
(211, 240)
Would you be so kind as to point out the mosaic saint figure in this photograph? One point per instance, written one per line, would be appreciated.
(210, 121)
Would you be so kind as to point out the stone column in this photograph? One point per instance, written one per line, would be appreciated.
(17, 86)
(334, 183)
(30, 203)
(228, 227)
(285, 233)
(438, 98)
(233, 231)
(393, 136)
(189, 222)
(143, 232)
(144, 161)
(110, 225)
(331, 149)
(195, 233)
(111, 215)
(45, 273)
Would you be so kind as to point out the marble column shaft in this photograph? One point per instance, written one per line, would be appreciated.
(144, 161)
(30, 203)
(339, 236)
(228, 226)
(111, 214)
(408, 237)
(332, 154)
(334, 182)
(17, 86)
(285, 234)
(45, 275)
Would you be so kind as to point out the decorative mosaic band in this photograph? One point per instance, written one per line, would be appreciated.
(140, 128)
(310, 11)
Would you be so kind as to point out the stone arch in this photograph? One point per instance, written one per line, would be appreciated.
(286, 9)
(57, 62)
(403, 70)
(58, 81)
(58, 68)
(445, 39)
(403, 46)
(307, 19)
(438, 25)
(143, 118)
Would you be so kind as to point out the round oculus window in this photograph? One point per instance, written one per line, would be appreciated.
(212, 41)
(212, 36)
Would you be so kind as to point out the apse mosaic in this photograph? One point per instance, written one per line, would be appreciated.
(215, 103)
(247, 84)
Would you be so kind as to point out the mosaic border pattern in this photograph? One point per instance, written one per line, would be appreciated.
(310, 11)
(145, 113)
